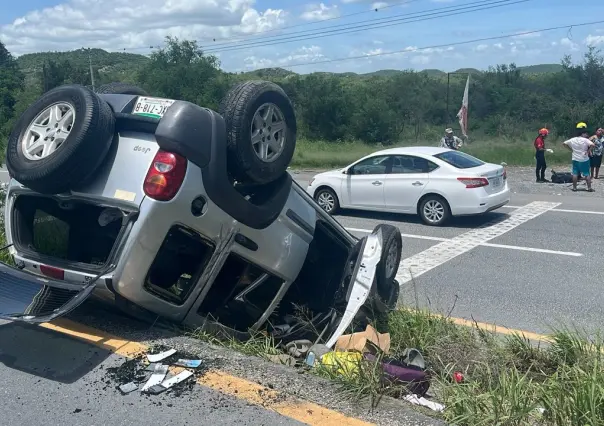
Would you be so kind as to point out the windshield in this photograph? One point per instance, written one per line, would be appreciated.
(459, 160)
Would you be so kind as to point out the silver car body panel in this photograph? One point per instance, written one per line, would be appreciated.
(281, 247)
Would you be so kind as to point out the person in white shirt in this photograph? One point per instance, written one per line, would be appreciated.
(581, 148)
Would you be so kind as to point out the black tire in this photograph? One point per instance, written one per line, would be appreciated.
(385, 274)
(322, 195)
(117, 88)
(440, 204)
(82, 151)
(238, 109)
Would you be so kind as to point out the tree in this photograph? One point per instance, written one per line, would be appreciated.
(11, 82)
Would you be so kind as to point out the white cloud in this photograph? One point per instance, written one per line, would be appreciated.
(566, 42)
(592, 40)
(319, 12)
(420, 60)
(302, 55)
(498, 45)
(379, 5)
(481, 47)
(119, 24)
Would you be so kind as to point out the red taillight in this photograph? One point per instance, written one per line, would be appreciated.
(165, 176)
(473, 182)
(52, 272)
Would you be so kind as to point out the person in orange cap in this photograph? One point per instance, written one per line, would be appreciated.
(540, 155)
(596, 154)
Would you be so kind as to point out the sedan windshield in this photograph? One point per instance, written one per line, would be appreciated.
(459, 160)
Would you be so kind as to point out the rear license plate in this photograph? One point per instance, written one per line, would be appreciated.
(497, 182)
(151, 107)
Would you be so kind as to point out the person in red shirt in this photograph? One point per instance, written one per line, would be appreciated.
(540, 155)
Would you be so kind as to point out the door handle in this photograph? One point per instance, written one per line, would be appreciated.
(417, 183)
(376, 183)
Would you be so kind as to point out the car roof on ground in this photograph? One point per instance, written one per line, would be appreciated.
(425, 150)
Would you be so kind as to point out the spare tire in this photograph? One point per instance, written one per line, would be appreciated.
(261, 131)
(120, 89)
(60, 140)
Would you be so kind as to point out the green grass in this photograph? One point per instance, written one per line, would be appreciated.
(326, 155)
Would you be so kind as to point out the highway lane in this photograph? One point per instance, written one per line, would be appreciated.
(542, 272)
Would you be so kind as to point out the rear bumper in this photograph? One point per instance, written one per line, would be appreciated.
(27, 297)
(481, 202)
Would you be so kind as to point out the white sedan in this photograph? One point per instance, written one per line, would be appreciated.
(435, 183)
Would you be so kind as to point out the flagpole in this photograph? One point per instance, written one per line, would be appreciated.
(449, 74)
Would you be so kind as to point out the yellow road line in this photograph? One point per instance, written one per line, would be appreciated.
(491, 327)
(302, 411)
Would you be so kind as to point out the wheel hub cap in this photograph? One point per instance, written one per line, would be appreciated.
(326, 201)
(48, 131)
(391, 259)
(434, 211)
(268, 131)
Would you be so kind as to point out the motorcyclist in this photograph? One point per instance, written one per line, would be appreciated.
(450, 140)
(540, 155)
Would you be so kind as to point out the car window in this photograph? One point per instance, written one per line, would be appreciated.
(460, 160)
(371, 166)
(403, 164)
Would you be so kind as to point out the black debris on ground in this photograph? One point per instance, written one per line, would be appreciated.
(136, 370)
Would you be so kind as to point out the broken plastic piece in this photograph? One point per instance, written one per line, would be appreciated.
(128, 387)
(160, 356)
(157, 377)
(151, 367)
(363, 340)
(156, 389)
(180, 377)
(434, 406)
(188, 363)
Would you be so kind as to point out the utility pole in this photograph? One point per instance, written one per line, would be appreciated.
(91, 73)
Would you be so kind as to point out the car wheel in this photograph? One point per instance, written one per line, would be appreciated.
(434, 210)
(60, 140)
(327, 200)
(392, 244)
(120, 89)
(261, 131)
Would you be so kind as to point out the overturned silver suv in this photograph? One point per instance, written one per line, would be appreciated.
(170, 209)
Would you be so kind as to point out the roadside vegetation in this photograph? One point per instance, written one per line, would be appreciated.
(343, 116)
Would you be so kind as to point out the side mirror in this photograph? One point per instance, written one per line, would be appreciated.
(346, 172)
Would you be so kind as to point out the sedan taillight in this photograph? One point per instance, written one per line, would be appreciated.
(473, 182)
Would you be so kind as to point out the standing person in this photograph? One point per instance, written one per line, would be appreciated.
(596, 157)
(540, 155)
(450, 140)
(581, 148)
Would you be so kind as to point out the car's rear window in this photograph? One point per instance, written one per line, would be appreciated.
(460, 160)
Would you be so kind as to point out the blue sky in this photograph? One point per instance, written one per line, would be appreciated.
(224, 26)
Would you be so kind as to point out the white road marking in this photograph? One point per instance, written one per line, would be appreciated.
(416, 265)
(502, 246)
(577, 211)
(535, 250)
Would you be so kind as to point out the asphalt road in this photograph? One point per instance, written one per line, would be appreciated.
(541, 273)
(526, 267)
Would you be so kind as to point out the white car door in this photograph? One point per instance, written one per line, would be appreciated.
(364, 184)
(406, 183)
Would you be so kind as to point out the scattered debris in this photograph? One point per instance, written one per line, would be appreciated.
(160, 356)
(283, 359)
(128, 387)
(364, 341)
(415, 400)
(298, 348)
(188, 363)
(157, 377)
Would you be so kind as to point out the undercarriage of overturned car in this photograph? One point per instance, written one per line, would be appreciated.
(168, 209)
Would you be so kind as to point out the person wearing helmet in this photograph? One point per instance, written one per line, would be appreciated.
(581, 148)
(540, 155)
(450, 140)
(596, 158)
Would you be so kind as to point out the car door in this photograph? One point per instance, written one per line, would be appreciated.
(406, 182)
(364, 184)
(363, 275)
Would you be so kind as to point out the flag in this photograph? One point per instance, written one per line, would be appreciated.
(462, 115)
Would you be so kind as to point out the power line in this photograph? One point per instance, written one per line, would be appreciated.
(361, 28)
(373, 10)
(388, 18)
(438, 46)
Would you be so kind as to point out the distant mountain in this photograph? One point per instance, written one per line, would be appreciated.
(121, 62)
